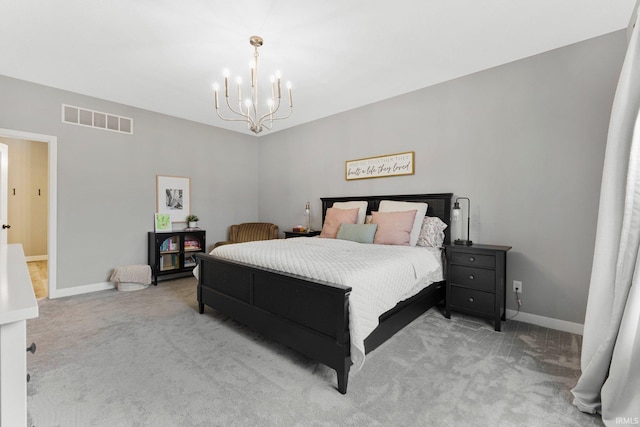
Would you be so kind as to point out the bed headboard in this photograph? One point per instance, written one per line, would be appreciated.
(439, 205)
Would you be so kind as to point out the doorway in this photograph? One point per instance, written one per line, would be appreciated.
(44, 270)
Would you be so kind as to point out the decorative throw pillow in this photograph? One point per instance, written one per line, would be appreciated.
(432, 232)
(334, 217)
(394, 228)
(360, 204)
(361, 233)
(396, 206)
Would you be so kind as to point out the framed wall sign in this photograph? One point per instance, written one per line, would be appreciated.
(380, 166)
(172, 197)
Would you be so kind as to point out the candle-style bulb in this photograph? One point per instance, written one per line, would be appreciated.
(215, 92)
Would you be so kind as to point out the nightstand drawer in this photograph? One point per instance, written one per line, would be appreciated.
(476, 278)
(472, 300)
(473, 260)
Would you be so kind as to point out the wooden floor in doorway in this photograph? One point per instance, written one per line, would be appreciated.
(39, 278)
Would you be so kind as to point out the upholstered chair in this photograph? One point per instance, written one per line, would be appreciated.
(249, 232)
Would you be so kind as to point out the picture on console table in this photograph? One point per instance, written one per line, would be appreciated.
(172, 197)
(162, 222)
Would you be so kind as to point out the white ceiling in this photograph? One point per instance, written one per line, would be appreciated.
(164, 55)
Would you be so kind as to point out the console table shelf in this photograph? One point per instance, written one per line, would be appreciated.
(172, 253)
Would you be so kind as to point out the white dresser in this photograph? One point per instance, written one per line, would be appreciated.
(17, 304)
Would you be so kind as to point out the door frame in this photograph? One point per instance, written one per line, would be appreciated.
(4, 191)
(52, 240)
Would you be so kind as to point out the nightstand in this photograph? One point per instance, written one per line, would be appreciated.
(289, 234)
(476, 281)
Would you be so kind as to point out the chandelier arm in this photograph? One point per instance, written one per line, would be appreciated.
(268, 117)
(230, 120)
(283, 117)
(270, 113)
(240, 113)
(271, 119)
(247, 117)
(274, 112)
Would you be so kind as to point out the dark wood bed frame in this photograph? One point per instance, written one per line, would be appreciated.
(310, 316)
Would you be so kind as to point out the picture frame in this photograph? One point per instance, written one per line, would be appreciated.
(173, 197)
(380, 166)
(162, 222)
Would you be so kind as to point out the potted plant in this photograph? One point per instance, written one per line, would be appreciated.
(193, 220)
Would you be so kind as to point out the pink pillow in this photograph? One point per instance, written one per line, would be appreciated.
(394, 228)
(334, 217)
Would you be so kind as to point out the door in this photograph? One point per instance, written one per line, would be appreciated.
(4, 189)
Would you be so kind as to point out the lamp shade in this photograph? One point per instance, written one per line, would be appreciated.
(307, 212)
(457, 223)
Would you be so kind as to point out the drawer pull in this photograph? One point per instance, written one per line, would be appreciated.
(470, 299)
(471, 277)
(32, 348)
(471, 259)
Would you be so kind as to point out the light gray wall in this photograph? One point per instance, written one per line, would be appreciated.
(107, 180)
(524, 141)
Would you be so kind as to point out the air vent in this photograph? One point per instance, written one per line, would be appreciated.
(96, 119)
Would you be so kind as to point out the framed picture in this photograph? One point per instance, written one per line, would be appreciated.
(162, 222)
(380, 166)
(172, 197)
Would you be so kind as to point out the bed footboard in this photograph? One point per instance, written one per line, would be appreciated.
(309, 316)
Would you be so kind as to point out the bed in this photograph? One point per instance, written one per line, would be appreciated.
(311, 315)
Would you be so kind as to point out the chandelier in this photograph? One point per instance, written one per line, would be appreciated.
(250, 112)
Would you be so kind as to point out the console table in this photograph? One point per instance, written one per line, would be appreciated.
(18, 303)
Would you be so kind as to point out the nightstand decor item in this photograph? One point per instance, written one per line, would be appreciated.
(307, 212)
(456, 222)
(248, 110)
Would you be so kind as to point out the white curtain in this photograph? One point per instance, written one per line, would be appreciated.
(610, 380)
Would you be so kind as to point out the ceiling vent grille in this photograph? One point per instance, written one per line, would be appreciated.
(96, 119)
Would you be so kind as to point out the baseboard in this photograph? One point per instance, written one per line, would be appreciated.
(37, 258)
(547, 322)
(77, 290)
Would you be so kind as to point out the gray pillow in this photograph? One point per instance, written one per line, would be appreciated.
(361, 233)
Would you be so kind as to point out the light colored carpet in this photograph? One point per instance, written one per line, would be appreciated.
(147, 358)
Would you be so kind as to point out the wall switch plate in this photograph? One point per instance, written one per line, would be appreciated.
(517, 286)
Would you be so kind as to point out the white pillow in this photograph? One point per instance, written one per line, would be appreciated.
(361, 205)
(432, 232)
(395, 206)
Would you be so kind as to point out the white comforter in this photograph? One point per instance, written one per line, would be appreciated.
(380, 275)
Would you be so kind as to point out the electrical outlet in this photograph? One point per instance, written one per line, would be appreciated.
(517, 286)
